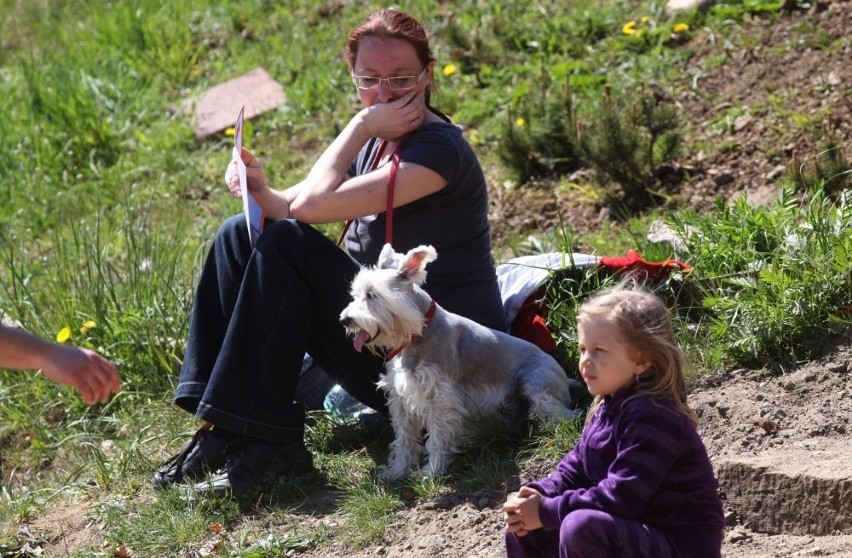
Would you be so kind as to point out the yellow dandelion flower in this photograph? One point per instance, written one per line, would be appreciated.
(520, 122)
(63, 335)
(230, 132)
(644, 19)
(87, 327)
(450, 69)
(680, 27)
(629, 28)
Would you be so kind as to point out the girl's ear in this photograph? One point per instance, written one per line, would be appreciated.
(641, 367)
(641, 364)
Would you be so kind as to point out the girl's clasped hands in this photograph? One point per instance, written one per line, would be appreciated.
(520, 512)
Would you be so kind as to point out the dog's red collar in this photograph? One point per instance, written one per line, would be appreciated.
(427, 317)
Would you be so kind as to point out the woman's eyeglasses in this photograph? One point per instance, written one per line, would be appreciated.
(397, 83)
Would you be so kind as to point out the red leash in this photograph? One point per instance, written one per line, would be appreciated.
(391, 184)
(389, 224)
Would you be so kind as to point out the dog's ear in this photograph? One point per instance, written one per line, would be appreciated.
(388, 259)
(413, 265)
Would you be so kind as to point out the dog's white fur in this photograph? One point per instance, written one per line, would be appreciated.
(452, 374)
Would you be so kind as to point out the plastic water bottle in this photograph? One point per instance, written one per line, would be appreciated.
(344, 408)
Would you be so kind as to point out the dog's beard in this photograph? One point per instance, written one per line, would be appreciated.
(383, 322)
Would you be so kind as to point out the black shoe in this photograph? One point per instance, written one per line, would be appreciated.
(207, 452)
(256, 465)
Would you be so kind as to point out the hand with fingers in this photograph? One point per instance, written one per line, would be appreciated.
(520, 512)
(93, 376)
(397, 118)
(255, 178)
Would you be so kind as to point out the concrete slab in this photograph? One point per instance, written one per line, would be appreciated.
(217, 108)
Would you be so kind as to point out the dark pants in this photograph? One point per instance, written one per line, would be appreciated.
(591, 534)
(256, 314)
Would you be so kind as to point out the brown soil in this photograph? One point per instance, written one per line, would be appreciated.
(781, 92)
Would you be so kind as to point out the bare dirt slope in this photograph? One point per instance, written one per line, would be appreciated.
(758, 104)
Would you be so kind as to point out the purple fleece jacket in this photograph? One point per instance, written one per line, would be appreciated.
(641, 460)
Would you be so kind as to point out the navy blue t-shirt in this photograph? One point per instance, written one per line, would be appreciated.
(453, 220)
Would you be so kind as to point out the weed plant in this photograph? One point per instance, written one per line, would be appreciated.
(776, 279)
(769, 286)
(829, 167)
(630, 138)
(539, 135)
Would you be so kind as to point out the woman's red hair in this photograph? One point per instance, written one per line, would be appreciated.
(393, 24)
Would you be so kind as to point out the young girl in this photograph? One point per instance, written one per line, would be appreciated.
(639, 481)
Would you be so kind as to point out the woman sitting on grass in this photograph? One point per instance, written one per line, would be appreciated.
(257, 313)
(639, 482)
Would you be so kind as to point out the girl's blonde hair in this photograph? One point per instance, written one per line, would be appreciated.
(643, 324)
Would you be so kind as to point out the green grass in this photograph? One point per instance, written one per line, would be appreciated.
(107, 204)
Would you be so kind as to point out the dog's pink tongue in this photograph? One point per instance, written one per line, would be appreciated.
(360, 338)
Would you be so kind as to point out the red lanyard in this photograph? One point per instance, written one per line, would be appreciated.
(391, 184)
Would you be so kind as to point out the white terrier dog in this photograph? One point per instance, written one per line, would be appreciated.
(445, 374)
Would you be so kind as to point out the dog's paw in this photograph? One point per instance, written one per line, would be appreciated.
(387, 474)
(427, 471)
(424, 474)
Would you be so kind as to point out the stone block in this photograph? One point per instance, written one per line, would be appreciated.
(790, 492)
(217, 108)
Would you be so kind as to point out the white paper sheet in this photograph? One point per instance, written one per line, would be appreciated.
(252, 209)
